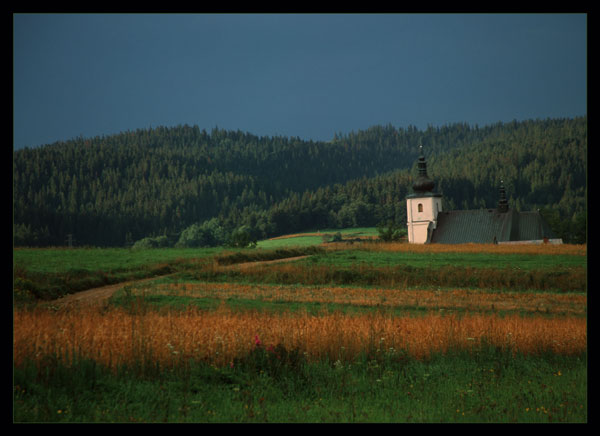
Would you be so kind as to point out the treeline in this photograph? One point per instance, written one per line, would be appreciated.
(188, 186)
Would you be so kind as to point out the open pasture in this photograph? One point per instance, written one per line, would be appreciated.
(269, 342)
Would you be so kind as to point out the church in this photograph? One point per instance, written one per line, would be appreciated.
(428, 223)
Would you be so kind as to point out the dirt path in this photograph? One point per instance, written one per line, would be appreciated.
(98, 296)
(264, 262)
(95, 296)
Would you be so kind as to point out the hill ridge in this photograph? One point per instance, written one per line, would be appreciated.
(118, 189)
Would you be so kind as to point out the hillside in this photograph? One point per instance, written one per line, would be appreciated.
(115, 190)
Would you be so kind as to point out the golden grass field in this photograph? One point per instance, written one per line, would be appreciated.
(118, 336)
(551, 249)
(450, 319)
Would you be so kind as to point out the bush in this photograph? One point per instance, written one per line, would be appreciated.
(158, 242)
(242, 238)
(393, 232)
(208, 234)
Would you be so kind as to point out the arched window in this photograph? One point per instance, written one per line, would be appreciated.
(420, 207)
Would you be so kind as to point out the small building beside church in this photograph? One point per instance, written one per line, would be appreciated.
(428, 223)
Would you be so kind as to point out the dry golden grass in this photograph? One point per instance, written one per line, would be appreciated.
(119, 336)
(556, 249)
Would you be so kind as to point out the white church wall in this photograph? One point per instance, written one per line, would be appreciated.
(421, 213)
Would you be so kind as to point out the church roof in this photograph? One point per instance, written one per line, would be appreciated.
(486, 226)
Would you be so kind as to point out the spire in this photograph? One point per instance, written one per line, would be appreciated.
(423, 183)
(503, 203)
(422, 163)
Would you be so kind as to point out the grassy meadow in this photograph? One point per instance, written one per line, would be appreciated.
(298, 330)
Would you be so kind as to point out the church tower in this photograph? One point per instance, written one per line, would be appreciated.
(422, 207)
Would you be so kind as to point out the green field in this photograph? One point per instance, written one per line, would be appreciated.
(494, 388)
(61, 260)
(353, 257)
(317, 237)
(488, 385)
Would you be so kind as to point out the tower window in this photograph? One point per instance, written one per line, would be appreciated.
(420, 207)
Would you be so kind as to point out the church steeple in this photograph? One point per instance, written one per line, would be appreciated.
(503, 203)
(422, 207)
(423, 183)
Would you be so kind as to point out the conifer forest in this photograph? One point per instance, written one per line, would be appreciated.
(186, 186)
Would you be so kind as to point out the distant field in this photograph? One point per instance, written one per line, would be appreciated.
(61, 259)
(318, 237)
(483, 259)
(291, 241)
(57, 260)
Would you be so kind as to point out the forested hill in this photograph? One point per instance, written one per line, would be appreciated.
(201, 187)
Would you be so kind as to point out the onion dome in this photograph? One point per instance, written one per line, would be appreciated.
(423, 183)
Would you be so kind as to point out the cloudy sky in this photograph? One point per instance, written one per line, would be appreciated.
(305, 75)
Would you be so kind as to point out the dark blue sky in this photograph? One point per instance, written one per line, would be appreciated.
(294, 74)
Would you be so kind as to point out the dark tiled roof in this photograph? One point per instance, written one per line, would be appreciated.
(482, 226)
(533, 226)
